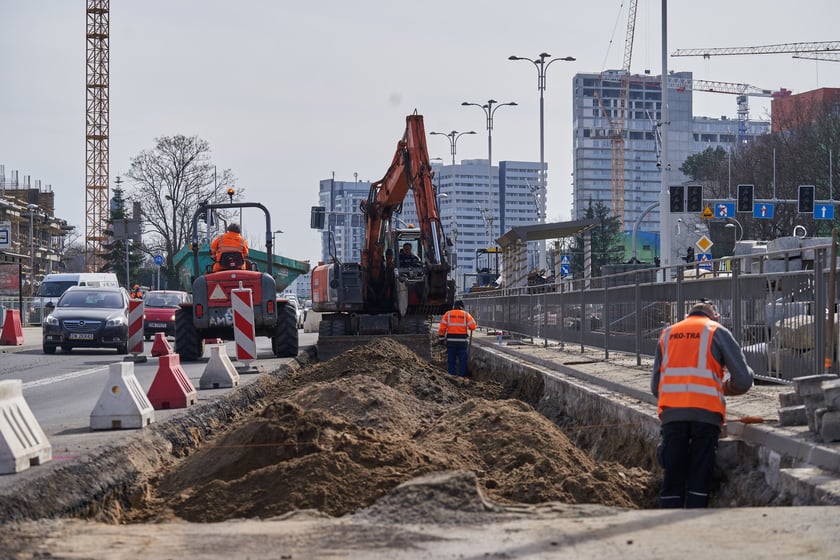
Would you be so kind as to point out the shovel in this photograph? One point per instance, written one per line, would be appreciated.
(469, 349)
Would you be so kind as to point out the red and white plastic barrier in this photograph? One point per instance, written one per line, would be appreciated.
(122, 403)
(171, 388)
(161, 346)
(135, 326)
(22, 441)
(12, 333)
(243, 325)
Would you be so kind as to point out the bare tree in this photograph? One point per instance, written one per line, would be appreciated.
(171, 180)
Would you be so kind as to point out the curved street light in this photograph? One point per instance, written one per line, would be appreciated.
(453, 140)
(542, 65)
(489, 111)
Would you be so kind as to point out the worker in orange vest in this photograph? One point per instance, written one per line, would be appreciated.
(136, 292)
(229, 242)
(690, 380)
(455, 330)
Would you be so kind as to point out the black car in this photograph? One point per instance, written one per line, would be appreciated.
(88, 317)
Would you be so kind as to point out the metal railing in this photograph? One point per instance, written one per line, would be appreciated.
(772, 314)
(30, 315)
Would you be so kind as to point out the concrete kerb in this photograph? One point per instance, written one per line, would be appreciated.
(32, 339)
(110, 471)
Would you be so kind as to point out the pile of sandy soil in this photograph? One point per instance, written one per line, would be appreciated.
(337, 436)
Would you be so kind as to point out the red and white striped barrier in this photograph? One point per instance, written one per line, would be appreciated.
(243, 325)
(135, 328)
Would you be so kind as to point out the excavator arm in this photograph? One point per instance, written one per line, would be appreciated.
(410, 170)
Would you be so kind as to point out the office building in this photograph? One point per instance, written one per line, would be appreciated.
(687, 135)
(472, 215)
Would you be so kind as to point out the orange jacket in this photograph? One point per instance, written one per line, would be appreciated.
(455, 326)
(690, 376)
(228, 242)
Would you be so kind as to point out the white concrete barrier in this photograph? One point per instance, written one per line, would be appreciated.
(22, 441)
(123, 403)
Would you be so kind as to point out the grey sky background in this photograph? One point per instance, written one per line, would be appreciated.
(287, 93)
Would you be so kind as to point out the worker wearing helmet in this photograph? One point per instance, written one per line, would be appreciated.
(455, 330)
(229, 242)
(690, 382)
(136, 292)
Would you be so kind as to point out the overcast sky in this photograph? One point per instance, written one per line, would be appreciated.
(287, 93)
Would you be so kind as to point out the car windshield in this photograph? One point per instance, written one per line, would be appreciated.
(162, 300)
(108, 300)
(54, 289)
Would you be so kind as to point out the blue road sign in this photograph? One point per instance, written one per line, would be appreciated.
(158, 260)
(705, 260)
(724, 209)
(823, 211)
(565, 264)
(763, 210)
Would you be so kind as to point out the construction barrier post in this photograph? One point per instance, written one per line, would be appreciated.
(22, 441)
(12, 333)
(135, 332)
(171, 388)
(243, 326)
(161, 346)
(219, 372)
(122, 404)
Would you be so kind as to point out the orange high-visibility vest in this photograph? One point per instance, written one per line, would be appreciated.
(456, 324)
(228, 242)
(689, 376)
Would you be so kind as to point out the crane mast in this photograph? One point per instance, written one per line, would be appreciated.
(96, 132)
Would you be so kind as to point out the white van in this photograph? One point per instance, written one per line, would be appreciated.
(53, 285)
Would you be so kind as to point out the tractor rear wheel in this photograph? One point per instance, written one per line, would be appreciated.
(188, 344)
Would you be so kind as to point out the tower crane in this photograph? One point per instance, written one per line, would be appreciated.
(826, 56)
(781, 48)
(96, 131)
(617, 119)
(743, 91)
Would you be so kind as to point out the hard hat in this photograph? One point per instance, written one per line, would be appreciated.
(136, 286)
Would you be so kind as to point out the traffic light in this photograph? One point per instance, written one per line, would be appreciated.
(317, 217)
(746, 193)
(694, 199)
(677, 199)
(806, 199)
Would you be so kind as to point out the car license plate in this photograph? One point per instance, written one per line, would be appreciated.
(81, 336)
(157, 325)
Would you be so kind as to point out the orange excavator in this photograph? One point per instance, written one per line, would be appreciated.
(402, 278)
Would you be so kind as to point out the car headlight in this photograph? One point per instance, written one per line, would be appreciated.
(172, 318)
(116, 322)
(51, 321)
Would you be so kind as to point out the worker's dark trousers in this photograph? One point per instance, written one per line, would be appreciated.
(688, 457)
(457, 353)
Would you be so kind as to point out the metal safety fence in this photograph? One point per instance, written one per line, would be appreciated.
(771, 309)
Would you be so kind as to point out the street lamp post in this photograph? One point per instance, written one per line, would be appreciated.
(274, 240)
(33, 211)
(542, 65)
(489, 111)
(453, 142)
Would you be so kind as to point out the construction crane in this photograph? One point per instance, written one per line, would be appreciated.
(96, 131)
(743, 91)
(828, 56)
(781, 48)
(616, 120)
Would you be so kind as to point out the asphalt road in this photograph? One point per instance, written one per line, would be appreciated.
(62, 389)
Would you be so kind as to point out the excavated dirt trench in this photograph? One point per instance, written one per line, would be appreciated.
(337, 436)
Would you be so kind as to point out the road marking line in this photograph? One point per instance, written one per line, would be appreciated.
(65, 377)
